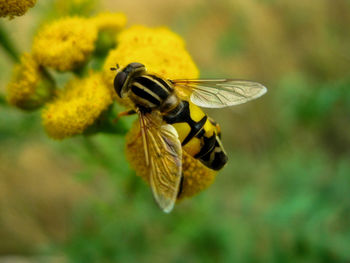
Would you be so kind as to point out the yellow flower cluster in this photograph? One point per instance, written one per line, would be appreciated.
(76, 107)
(65, 44)
(12, 8)
(62, 45)
(31, 86)
(197, 177)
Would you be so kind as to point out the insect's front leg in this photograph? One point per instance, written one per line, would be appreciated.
(124, 113)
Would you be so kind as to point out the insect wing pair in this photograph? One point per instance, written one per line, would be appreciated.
(163, 152)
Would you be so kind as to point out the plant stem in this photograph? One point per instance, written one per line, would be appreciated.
(81, 70)
(8, 45)
(106, 123)
(2, 100)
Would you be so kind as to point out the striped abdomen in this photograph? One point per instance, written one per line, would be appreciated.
(199, 135)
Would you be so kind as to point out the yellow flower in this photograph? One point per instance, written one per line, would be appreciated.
(11, 8)
(77, 107)
(109, 21)
(159, 49)
(65, 44)
(30, 86)
(197, 177)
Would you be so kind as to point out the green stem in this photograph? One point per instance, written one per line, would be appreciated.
(81, 70)
(8, 45)
(2, 100)
(106, 123)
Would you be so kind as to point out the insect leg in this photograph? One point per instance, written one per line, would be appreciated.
(124, 113)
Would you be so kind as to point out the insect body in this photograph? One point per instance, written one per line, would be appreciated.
(171, 121)
(199, 135)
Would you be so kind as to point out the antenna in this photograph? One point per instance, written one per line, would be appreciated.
(115, 68)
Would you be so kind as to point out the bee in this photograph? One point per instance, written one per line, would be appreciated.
(171, 121)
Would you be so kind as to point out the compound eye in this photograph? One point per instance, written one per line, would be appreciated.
(119, 81)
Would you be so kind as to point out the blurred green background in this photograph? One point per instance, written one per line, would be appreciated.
(284, 195)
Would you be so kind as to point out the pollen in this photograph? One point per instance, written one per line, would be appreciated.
(30, 86)
(12, 8)
(65, 44)
(76, 107)
(197, 176)
(162, 51)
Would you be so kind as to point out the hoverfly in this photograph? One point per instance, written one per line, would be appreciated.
(171, 121)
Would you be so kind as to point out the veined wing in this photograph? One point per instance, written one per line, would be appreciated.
(219, 93)
(164, 158)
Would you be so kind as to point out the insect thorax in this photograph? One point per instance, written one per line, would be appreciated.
(152, 92)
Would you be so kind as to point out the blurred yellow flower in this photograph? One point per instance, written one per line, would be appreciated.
(30, 86)
(65, 44)
(162, 52)
(109, 21)
(11, 8)
(77, 107)
(197, 177)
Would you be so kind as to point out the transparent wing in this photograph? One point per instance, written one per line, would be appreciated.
(219, 93)
(164, 154)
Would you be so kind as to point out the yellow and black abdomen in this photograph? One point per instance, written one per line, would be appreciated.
(199, 135)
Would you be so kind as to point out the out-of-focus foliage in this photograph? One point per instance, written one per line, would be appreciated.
(284, 195)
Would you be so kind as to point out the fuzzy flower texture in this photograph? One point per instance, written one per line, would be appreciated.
(69, 44)
(12, 8)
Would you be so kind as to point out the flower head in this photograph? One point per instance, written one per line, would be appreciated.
(77, 107)
(66, 43)
(11, 8)
(197, 177)
(159, 49)
(30, 86)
